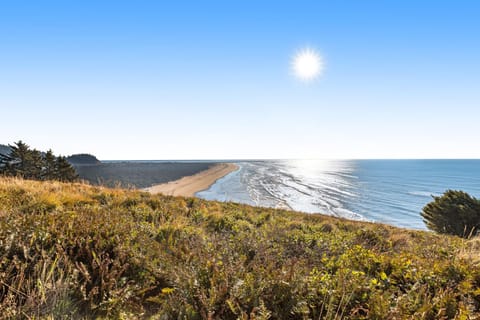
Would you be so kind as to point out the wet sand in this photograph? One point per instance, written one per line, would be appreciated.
(188, 186)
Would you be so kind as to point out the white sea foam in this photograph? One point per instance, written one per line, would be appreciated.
(274, 184)
(375, 190)
(427, 194)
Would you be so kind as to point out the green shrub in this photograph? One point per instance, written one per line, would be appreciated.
(455, 212)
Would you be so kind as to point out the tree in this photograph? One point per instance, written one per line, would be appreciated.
(64, 170)
(22, 159)
(36, 165)
(33, 164)
(455, 212)
(49, 166)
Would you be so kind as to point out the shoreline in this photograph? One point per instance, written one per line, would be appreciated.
(188, 186)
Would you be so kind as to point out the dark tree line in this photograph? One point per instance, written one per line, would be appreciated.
(32, 164)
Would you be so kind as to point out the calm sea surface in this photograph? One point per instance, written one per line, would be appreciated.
(388, 191)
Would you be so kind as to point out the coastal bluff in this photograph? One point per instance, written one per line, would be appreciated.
(83, 159)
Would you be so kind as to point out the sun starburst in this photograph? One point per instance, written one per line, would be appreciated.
(307, 64)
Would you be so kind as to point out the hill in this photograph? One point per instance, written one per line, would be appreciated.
(82, 158)
(74, 250)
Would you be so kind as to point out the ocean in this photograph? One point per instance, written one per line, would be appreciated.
(386, 191)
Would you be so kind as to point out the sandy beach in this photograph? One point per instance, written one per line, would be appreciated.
(138, 174)
(188, 186)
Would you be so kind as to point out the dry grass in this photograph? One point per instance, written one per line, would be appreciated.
(77, 251)
(471, 251)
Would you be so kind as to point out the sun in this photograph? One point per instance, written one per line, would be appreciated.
(307, 64)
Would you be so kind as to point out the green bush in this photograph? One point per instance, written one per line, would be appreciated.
(455, 212)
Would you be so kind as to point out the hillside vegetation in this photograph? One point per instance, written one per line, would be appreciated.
(69, 250)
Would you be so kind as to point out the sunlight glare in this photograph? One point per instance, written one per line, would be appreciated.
(307, 64)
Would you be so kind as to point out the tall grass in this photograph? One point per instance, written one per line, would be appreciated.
(75, 251)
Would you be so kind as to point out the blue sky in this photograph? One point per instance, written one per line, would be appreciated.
(212, 79)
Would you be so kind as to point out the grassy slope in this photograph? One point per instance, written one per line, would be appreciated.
(73, 250)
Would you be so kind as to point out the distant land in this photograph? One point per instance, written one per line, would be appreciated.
(137, 174)
(128, 174)
(132, 174)
(83, 158)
